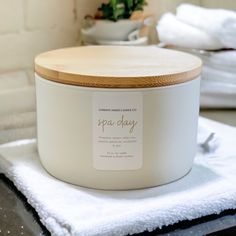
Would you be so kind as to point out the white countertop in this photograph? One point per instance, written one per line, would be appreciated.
(224, 116)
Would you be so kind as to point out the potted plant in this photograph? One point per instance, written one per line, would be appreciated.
(114, 20)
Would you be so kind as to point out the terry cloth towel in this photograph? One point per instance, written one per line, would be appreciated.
(68, 210)
(224, 60)
(171, 31)
(20, 120)
(218, 23)
(220, 61)
(18, 100)
(10, 135)
(215, 94)
(224, 76)
(13, 80)
(218, 83)
(17, 126)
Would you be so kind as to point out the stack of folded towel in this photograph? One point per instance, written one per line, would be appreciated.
(218, 86)
(211, 35)
(17, 107)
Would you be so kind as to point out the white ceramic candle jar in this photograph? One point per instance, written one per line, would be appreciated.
(117, 117)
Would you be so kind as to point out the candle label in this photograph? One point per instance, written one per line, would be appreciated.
(117, 130)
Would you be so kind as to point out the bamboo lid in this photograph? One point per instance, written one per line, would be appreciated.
(117, 66)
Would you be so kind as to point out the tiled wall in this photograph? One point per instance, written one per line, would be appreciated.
(29, 27)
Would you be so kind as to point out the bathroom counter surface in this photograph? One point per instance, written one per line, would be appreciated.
(17, 217)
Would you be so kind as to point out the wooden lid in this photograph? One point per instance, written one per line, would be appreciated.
(117, 66)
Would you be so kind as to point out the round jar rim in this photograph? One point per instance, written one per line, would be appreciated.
(118, 66)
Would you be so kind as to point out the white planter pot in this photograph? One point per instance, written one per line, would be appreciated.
(133, 125)
(110, 30)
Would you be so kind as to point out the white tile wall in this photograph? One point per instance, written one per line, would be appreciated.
(29, 27)
(49, 14)
(11, 16)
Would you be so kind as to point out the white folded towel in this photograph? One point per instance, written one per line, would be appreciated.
(20, 120)
(218, 23)
(219, 75)
(17, 126)
(69, 210)
(218, 78)
(218, 88)
(216, 94)
(17, 100)
(13, 80)
(174, 32)
(10, 135)
(224, 60)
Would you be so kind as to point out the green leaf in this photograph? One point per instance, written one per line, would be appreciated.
(119, 12)
(121, 9)
(129, 4)
(113, 3)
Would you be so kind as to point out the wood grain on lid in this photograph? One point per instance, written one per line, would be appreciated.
(117, 66)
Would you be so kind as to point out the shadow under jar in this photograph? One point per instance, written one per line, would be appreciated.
(112, 117)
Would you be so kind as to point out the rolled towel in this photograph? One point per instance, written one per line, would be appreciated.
(218, 23)
(174, 32)
(17, 100)
(20, 120)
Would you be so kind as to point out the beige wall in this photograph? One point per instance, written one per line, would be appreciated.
(28, 27)
(158, 7)
(228, 4)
